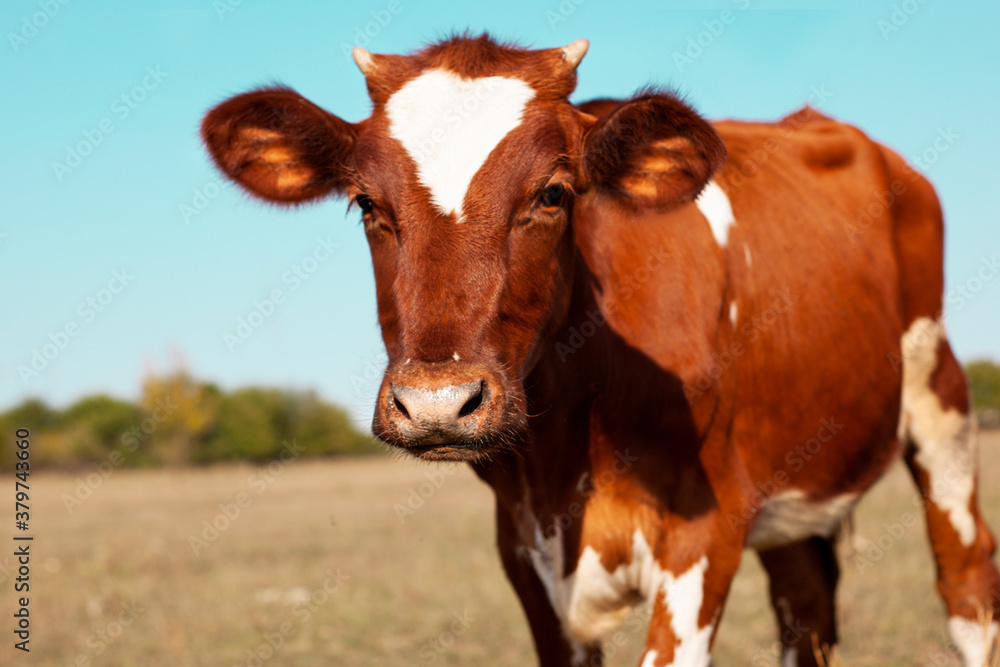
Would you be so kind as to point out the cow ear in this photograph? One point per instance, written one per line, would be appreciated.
(279, 146)
(653, 152)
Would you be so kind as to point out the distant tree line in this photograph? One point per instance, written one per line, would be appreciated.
(984, 379)
(180, 421)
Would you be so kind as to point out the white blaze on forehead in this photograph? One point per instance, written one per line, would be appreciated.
(449, 125)
(714, 205)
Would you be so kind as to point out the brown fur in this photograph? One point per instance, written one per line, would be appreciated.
(599, 327)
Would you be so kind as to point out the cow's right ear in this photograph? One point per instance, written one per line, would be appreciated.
(279, 146)
(652, 152)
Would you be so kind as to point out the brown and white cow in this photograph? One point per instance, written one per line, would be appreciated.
(659, 340)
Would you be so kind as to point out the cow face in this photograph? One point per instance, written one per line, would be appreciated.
(465, 176)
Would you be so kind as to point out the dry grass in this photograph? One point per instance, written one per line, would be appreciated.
(405, 582)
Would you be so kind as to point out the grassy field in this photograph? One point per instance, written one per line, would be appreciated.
(313, 559)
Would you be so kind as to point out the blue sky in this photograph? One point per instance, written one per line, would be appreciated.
(131, 82)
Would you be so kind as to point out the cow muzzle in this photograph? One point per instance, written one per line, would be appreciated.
(443, 411)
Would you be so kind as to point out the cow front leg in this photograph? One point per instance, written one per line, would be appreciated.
(687, 609)
(554, 647)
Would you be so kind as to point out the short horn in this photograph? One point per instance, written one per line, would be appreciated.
(365, 60)
(574, 53)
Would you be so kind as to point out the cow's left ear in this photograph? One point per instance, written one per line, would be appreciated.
(653, 151)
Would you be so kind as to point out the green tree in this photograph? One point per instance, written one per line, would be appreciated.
(324, 429)
(34, 415)
(250, 424)
(95, 425)
(181, 412)
(984, 379)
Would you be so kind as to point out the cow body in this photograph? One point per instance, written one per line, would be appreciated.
(648, 388)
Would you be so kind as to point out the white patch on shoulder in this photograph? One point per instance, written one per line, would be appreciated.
(449, 125)
(714, 205)
(974, 641)
(683, 596)
(945, 439)
(789, 517)
(733, 312)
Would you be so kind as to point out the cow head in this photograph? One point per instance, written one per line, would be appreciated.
(465, 174)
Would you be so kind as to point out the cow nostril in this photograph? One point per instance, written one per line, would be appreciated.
(472, 404)
(399, 406)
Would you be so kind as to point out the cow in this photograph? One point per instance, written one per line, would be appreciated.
(659, 340)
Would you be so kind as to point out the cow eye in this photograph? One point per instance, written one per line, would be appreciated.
(365, 203)
(552, 195)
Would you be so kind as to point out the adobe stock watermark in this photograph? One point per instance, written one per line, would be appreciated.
(751, 162)
(795, 460)
(432, 649)
(957, 298)
(202, 196)
(899, 16)
(792, 630)
(303, 612)
(966, 291)
(881, 201)
(31, 25)
(565, 9)
(130, 440)
(101, 639)
(959, 471)
(122, 107)
(229, 512)
(889, 537)
(363, 35)
(200, 199)
(224, 7)
(704, 39)
(420, 494)
(366, 385)
(624, 289)
(587, 487)
(750, 332)
(87, 310)
(265, 308)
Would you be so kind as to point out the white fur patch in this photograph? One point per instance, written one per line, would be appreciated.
(974, 641)
(683, 596)
(649, 660)
(788, 517)
(714, 205)
(593, 601)
(945, 440)
(449, 125)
